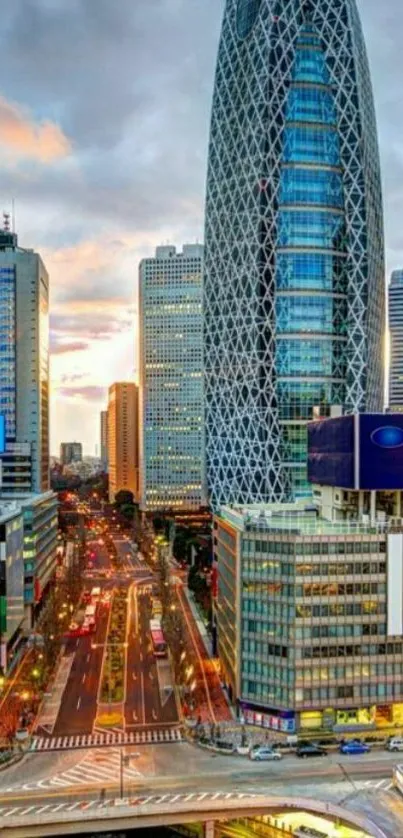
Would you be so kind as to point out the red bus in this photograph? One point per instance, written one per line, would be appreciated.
(159, 643)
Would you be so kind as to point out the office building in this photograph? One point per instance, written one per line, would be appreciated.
(40, 526)
(24, 366)
(123, 447)
(104, 439)
(171, 380)
(70, 452)
(294, 252)
(396, 342)
(11, 581)
(310, 595)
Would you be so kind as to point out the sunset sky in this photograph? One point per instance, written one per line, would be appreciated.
(104, 118)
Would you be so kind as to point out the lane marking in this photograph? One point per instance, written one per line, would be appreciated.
(134, 676)
(84, 677)
(135, 716)
(154, 715)
(88, 657)
(79, 703)
(142, 698)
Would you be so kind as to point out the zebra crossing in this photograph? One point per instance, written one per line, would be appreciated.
(102, 739)
(380, 785)
(98, 768)
(78, 806)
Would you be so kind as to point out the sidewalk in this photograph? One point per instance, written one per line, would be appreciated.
(49, 709)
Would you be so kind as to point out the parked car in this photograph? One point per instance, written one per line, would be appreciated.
(395, 744)
(308, 749)
(263, 752)
(354, 746)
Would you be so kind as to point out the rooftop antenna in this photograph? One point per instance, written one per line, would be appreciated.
(13, 215)
(6, 222)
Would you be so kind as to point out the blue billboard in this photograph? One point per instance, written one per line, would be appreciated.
(331, 452)
(381, 451)
(357, 452)
(2, 433)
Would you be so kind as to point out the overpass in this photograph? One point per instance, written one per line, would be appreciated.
(66, 818)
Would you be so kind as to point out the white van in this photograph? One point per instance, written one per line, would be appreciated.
(395, 744)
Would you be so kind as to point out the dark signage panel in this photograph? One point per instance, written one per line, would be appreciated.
(381, 451)
(331, 452)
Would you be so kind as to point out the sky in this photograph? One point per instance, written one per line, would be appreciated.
(104, 121)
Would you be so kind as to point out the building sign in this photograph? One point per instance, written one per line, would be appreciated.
(363, 451)
(270, 721)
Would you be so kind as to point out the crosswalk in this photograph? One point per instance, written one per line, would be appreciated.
(381, 785)
(102, 739)
(162, 801)
(98, 768)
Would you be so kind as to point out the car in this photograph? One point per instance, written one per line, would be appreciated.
(308, 749)
(395, 744)
(354, 746)
(263, 752)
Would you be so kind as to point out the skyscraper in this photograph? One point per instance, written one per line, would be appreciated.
(123, 446)
(396, 342)
(294, 277)
(171, 383)
(24, 366)
(104, 439)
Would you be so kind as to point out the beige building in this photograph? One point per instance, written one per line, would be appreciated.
(123, 450)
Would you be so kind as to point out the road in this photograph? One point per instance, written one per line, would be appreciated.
(143, 707)
(360, 784)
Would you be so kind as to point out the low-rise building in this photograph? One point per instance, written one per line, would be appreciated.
(309, 606)
(11, 580)
(40, 523)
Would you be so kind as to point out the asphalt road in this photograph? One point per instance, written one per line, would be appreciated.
(143, 706)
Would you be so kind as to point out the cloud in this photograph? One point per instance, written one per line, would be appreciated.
(89, 393)
(21, 136)
(64, 348)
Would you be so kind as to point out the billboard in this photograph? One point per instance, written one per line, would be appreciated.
(380, 451)
(331, 452)
(2, 433)
(357, 452)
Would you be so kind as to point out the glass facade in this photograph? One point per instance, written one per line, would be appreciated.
(294, 273)
(309, 631)
(7, 350)
(171, 376)
(396, 341)
(311, 222)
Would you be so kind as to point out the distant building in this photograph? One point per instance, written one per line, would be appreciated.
(24, 367)
(11, 580)
(171, 380)
(309, 605)
(71, 452)
(123, 451)
(396, 342)
(104, 439)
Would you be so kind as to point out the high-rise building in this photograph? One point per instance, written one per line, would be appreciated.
(24, 366)
(104, 439)
(171, 380)
(70, 452)
(309, 605)
(396, 342)
(123, 446)
(294, 276)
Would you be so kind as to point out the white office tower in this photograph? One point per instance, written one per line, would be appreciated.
(171, 380)
(24, 367)
(396, 342)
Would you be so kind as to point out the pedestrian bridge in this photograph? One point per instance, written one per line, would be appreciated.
(67, 818)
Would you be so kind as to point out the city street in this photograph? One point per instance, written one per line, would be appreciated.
(145, 708)
(360, 784)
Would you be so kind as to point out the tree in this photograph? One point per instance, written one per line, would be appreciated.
(124, 497)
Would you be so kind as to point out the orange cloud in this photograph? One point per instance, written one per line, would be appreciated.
(19, 134)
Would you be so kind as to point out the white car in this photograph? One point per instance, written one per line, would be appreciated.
(395, 744)
(262, 753)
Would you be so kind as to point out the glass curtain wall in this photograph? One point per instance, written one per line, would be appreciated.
(311, 281)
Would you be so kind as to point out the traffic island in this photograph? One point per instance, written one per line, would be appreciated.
(111, 694)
